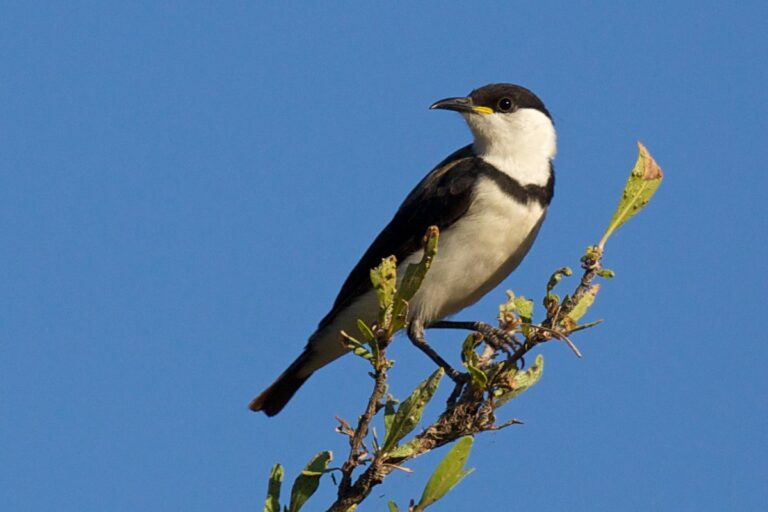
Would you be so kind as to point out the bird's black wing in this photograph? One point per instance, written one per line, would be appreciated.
(440, 199)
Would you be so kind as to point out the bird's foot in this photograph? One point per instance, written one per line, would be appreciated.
(497, 338)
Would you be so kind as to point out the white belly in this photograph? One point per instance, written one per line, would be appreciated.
(476, 253)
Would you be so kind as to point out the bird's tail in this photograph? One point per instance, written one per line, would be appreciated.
(273, 399)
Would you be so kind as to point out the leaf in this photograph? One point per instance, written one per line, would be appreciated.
(551, 301)
(556, 276)
(449, 472)
(643, 181)
(365, 330)
(393, 506)
(371, 339)
(583, 304)
(415, 273)
(606, 273)
(306, 483)
(519, 381)
(356, 347)
(384, 280)
(470, 359)
(273, 489)
(414, 276)
(404, 451)
(389, 414)
(409, 413)
(507, 319)
(524, 308)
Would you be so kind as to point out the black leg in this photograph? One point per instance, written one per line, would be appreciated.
(416, 335)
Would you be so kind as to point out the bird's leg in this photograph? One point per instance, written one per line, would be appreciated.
(497, 338)
(416, 335)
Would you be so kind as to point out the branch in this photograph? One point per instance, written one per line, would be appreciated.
(472, 410)
(357, 452)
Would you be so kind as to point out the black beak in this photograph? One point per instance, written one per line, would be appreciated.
(456, 104)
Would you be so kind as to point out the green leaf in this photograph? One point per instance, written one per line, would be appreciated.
(606, 273)
(584, 302)
(370, 338)
(524, 308)
(393, 506)
(404, 451)
(389, 414)
(449, 472)
(556, 276)
(470, 359)
(643, 181)
(479, 378)
(519, 381)
(384, 280)
(356, 347)
(409, 413)
(414, 276)
(365, 330)
(273, 489)
(307, 482)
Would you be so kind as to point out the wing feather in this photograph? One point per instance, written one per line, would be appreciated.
(440, 199)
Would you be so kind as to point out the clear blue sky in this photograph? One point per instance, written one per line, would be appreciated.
(185, 186)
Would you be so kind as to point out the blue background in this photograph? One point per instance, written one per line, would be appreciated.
(185, 185)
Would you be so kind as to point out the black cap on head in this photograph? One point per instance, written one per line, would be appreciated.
(506, 98)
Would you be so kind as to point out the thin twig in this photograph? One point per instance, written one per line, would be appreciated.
(356, 442)
(557, 334)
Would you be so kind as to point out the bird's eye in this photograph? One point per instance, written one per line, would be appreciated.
(505, 104)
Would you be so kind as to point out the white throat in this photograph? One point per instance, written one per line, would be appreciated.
(520, 144)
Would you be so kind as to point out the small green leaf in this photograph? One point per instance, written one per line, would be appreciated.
(507, 319)
(479, 378)
(356, 347)
(414, 276)
(449, 472)
(524, 308)
(470, 359)
(519, 381)
(404, 450)
(606, 273)
(551, 302)
(415, 273)
(468, 348)
(393, 507)
(584, 302)
(384, 280)
(368, 335)
(556, 276)
(364, 330)
(273, 489)
(643, 181)
(307, 482)
(409, 413)
(389, 414)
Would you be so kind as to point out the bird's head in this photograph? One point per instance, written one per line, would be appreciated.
(508, 121)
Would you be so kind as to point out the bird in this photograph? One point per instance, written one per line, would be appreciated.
(488, 200)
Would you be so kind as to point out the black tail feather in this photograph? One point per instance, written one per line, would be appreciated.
(272, 400)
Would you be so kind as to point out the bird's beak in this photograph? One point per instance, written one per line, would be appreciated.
(460, 105)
